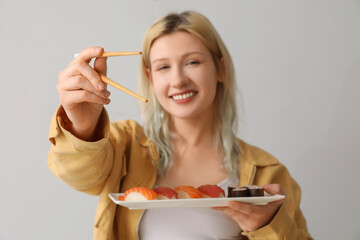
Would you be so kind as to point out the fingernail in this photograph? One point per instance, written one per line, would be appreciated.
(107, 94)
(101, 85)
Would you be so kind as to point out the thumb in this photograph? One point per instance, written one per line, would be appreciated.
(274, 189)
(100, 65)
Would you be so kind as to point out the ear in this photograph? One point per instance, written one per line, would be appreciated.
(148, 74)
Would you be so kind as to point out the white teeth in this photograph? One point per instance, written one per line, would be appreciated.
(183, 96)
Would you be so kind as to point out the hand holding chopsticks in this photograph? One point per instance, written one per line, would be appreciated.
(115, 84)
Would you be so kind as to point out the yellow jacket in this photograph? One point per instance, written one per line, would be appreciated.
(124, 158)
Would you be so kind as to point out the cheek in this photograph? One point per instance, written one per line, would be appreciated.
(159, 88)
(210, 81)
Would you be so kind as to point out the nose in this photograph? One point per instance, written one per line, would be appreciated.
(179, 78)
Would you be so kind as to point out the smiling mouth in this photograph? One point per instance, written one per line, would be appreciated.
(183, 96)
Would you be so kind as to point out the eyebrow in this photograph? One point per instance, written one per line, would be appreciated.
(185, 55)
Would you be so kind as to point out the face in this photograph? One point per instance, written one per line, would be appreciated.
(183, 75)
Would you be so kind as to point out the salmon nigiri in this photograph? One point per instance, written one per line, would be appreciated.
(187, 192)
(165, 193)
(139, 194)
(211, 191)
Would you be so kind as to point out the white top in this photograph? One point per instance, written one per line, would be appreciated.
(189, 223)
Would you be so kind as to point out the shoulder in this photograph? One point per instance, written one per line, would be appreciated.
(256, 155)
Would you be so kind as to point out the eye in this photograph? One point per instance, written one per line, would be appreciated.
(192, 62)
(162, 67)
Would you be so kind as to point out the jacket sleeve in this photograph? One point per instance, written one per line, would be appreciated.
(83, 165)
(289, 222)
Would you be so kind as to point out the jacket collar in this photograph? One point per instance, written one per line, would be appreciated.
(145, 142)
(256, 156)
(250, 159)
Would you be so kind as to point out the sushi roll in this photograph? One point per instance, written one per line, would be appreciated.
(165, 193)
(211, 191)
(240, 192)
(231, 188)
(256, 191)
(185, 192)
(245, 191)
(139, 194)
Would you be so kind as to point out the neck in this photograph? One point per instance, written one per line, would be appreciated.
(194, 131)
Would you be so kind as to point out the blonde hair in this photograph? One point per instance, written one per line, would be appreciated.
(157, 121)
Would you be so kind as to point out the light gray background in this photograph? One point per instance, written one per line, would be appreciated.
(298, 69)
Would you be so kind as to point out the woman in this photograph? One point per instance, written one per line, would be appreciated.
(187, 139)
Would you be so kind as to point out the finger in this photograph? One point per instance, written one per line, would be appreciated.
(81, 65)
(100, 65)
(276, 203)
(218, 208)
(80, 96)
(229, 211)
(249, 209)
(245, 221)
(89, 53)
(245, 208)
(79, 82)
(84, 69)
(274, 189)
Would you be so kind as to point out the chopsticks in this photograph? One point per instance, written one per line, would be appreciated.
(115, 84)
(118, 86)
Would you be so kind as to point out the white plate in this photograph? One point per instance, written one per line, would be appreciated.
(196, 202)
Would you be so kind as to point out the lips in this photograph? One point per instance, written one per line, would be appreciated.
(183, 96)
